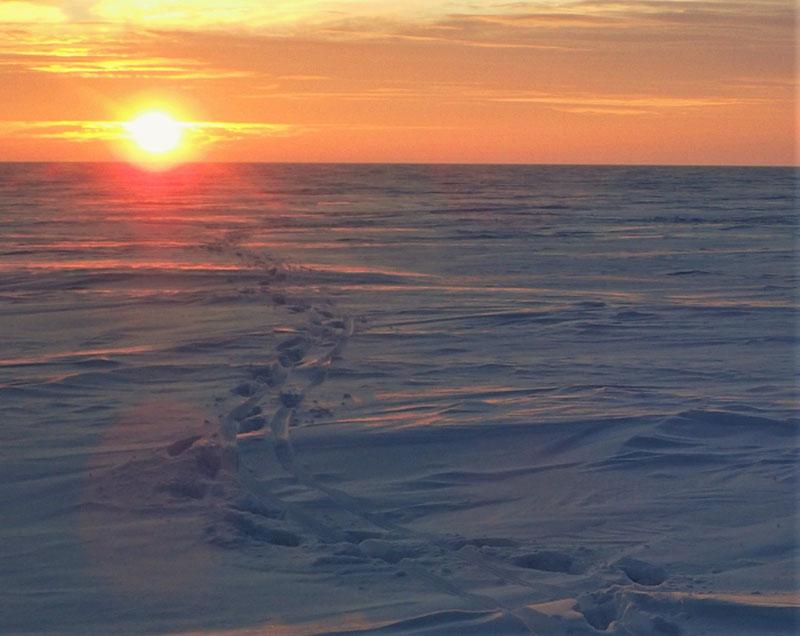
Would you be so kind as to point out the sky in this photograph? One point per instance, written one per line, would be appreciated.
(482, 81)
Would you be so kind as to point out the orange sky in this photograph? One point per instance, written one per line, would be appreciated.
(548, 81)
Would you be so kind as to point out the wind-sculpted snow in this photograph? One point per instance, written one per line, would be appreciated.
(397, 399)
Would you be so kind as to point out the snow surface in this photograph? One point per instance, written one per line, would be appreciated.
(397, 400)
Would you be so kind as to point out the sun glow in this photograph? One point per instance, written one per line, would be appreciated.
(155, 132)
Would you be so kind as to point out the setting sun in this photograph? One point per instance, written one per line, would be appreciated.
(155, 132)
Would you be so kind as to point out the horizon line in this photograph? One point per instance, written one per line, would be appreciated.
(418, 163)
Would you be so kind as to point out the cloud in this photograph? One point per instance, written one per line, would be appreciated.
(537, 20)
(172, 68)
(612, 103)
(456, 21)
(28, 12)
(197, 132)
(72, 130)
(596, 23)
(616, 102)
(93, 50)
(204, 14)
(144, 38)
(304, 78)
(213, 132)
(605, 110)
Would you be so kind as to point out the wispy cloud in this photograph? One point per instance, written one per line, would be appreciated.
(198, 132)
(136, 68)
(456, 21)
(612, 103)
(652, 103)
(93, 51)
(131, 38)
(304, 78)
(30, 13)
(595, 23)
(217, 131)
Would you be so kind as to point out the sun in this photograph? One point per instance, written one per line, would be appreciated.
(155, 132)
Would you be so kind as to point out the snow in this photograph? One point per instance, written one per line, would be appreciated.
(397, 399)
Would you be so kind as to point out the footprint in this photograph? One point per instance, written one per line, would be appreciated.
(317, 412)
(642, 572)
(663, 626)
(245, 389)
(209, 459)
(292, 343)
(252, 424)
(547, 561)
(184, 488)
(338, 560)
(492, 542)
(253, 505)
(600, 616)
(358, 536)
(391, 551)
(291, 357)
(253, 528)
(181, 445)
(291, 398)
(599, 609)
(271, 374)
